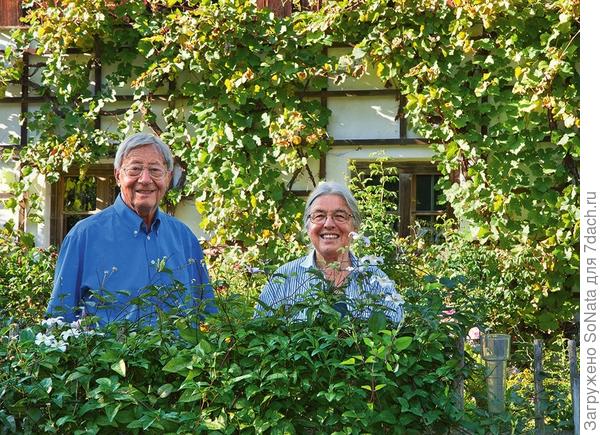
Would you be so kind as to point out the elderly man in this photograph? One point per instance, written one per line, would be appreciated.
(131, 260)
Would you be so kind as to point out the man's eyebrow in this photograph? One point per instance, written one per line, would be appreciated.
(142, 162)
(332, 211)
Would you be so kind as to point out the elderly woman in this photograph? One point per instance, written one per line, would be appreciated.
(331, 218)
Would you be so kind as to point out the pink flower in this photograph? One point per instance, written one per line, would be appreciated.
(449, 312)
(474, 333)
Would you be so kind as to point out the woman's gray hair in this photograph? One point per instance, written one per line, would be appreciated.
(333, 188)
(138, 140)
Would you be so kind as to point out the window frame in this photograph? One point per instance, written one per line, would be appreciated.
(406, 211)
(104, 197)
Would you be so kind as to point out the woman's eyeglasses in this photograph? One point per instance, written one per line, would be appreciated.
(339, 216)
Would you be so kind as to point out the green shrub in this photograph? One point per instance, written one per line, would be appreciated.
(26, 275)
(235, 373)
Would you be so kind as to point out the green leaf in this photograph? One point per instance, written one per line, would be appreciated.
(348, 362)
(112, 410)
(178, 364)
(402, 343)
(165, 390)
(46, 385)
(190, 395)
(109, 356)
(377, 321)
(64, 419)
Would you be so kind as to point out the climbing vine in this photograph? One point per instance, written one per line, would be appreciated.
(493, 85)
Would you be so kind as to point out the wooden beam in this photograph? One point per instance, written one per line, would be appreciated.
(379, 142)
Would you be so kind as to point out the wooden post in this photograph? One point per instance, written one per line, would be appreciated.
(539, 386)
(574, 372)
(459, 382)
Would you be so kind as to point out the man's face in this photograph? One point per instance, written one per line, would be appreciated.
(143, 192)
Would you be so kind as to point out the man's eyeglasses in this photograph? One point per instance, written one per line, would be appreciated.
(155, 172)
(339, 216)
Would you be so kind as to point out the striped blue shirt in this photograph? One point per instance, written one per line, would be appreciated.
(299, 279)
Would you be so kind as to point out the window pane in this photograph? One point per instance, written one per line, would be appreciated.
(437, 194)
(71, 220)
(424, 192)
(80, 194)
(427, 194)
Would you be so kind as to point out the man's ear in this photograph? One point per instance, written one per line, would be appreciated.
(118, 176)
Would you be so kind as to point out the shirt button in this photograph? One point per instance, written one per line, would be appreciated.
(135, 233)
(148, 237)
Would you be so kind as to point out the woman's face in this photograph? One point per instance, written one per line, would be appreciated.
(329, 227)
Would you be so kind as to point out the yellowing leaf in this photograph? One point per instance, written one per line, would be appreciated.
(120, 367)
(498, 201)
(518, 71)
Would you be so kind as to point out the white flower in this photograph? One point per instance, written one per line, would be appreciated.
(53, 321)
(39, 338)
(69, 333)
(253, 270)
(394, 298)
(49, 341)
(383, 281)
(372, 259)
(355, 236)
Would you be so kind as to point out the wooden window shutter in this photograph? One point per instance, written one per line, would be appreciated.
(10, 13)
(281, 8)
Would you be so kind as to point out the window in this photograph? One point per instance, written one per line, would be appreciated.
(74, 198)
(418, 199)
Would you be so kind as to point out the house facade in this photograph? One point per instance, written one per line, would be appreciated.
(366, 123)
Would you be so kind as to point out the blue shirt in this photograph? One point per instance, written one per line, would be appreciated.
(296, 280)
(110, 266)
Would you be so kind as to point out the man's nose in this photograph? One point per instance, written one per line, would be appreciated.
(145, 176)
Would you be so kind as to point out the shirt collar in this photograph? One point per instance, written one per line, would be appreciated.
(132, 220)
